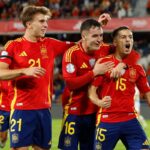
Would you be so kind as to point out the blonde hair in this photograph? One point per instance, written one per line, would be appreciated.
(29, 11)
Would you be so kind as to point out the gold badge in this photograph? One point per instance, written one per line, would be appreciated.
(98, 146)
(15, 138)
(44, 52)
(67, 141)
(132, 73)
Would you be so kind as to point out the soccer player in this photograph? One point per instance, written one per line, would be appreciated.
(116, 118)
(78, 72)
(28, 61)
(4, 111)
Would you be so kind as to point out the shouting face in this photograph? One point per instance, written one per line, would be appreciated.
(124, 42)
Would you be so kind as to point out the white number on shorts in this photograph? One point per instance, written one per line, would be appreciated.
(16, 122)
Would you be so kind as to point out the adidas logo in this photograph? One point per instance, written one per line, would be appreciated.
(84, 66)
(146, 142)
(49, 143)
(23, 54)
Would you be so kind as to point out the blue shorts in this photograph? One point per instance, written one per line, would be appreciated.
(78, 130)
(30, 127)
(4, 120)
(129, 132)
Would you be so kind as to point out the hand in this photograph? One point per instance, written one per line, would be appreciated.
(104, 18)
(105, 102)
(34, 71)
(118, 71)
(102, 68)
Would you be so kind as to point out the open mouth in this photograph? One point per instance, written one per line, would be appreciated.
(127, 46)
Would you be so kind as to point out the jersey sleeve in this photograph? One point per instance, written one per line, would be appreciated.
(6, 55)
(69, 67)
(142, 82)
(60, 47)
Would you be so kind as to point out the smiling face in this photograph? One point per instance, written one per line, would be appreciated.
(92, 38)
(123, 42)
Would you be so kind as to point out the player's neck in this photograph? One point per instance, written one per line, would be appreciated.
(28, 36)
(119, 56)
(86, 49)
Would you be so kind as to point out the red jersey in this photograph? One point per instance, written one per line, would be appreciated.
(77, 66)
(5, 98)
(121, 91)
(33, 93)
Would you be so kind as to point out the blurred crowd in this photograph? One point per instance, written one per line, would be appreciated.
(10, 9)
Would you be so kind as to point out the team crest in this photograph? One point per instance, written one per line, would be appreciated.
(70, 68)
(132, 73)
(92, 62)
(98, 146)
(15, 138)
(67, 141)
(43, 52)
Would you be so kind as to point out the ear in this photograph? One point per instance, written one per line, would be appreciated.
(28, 24)
(84, 35)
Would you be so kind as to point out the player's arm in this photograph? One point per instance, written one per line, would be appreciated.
(60, 47)
(7, 74)
(74, 82)
(105, 102)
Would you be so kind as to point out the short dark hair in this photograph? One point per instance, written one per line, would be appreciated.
(87, 24)
(29, 11)
(117, 30)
